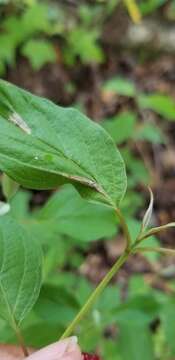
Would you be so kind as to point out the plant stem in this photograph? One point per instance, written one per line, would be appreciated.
(21, 341)
(159, 250)
(133, 10)
(124, 228)
(154, 231)
(122, 259)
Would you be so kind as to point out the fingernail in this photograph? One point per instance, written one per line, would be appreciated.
(72, 342)
(69, 346)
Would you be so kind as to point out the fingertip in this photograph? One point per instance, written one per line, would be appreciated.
(59, 350)
(74, 355)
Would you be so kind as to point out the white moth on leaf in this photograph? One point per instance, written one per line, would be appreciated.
(18, 121)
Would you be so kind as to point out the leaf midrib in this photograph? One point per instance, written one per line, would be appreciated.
(79, 179)
(55, 153)
(97, 186)
(43, 141)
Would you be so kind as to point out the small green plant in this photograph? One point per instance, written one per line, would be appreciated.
(162, 104)
(39, 31)
(44, 146)
(26, 31)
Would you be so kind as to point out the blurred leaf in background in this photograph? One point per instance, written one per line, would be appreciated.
(164, 105)
(121, 127)
(120, 86)
(39, 53)
(83, 44)
(67, 213)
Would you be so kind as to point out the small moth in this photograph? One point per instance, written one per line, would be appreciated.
(18, 121)
(92, 184)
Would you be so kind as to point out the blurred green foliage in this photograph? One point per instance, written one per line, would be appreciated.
(33, 28)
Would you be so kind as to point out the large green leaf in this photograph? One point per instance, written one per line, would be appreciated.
(56, 305)
(20, 271)
(67, 213)
(168, 323)
(51, 146)
(36, 332)
(135, 342)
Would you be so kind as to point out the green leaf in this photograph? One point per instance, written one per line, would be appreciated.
(139, 309)
(20, 206)
(9, 187)
(2, 67)
(138, 286)
(36, 333)
(56, 305)
(84, 44)
(135, 341)
(134, 227)
(164, 105)
(134, 318)
(7, 50)
(168, 323)
(39, 53)
(131, 204)
(110, 350)
(120, 86)
(40, 334)
(147, 7)
(55, 255)
(43, 146)
(152, 133)
(136, 168)
(20, 271)
(35, 19)
(152, 241)
(67, 213)
(121, 127)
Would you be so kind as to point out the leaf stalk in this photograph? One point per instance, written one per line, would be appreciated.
(122, 259)
(21, 340)
(159, 250)
(99, 289)
(125, 229)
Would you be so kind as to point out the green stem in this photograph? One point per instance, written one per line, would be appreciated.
(133, 10)
(124, 228)
(154, 231)
(21, 341)
(122, 259)
(155, 249)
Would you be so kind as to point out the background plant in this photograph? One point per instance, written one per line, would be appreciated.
(31, 28)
